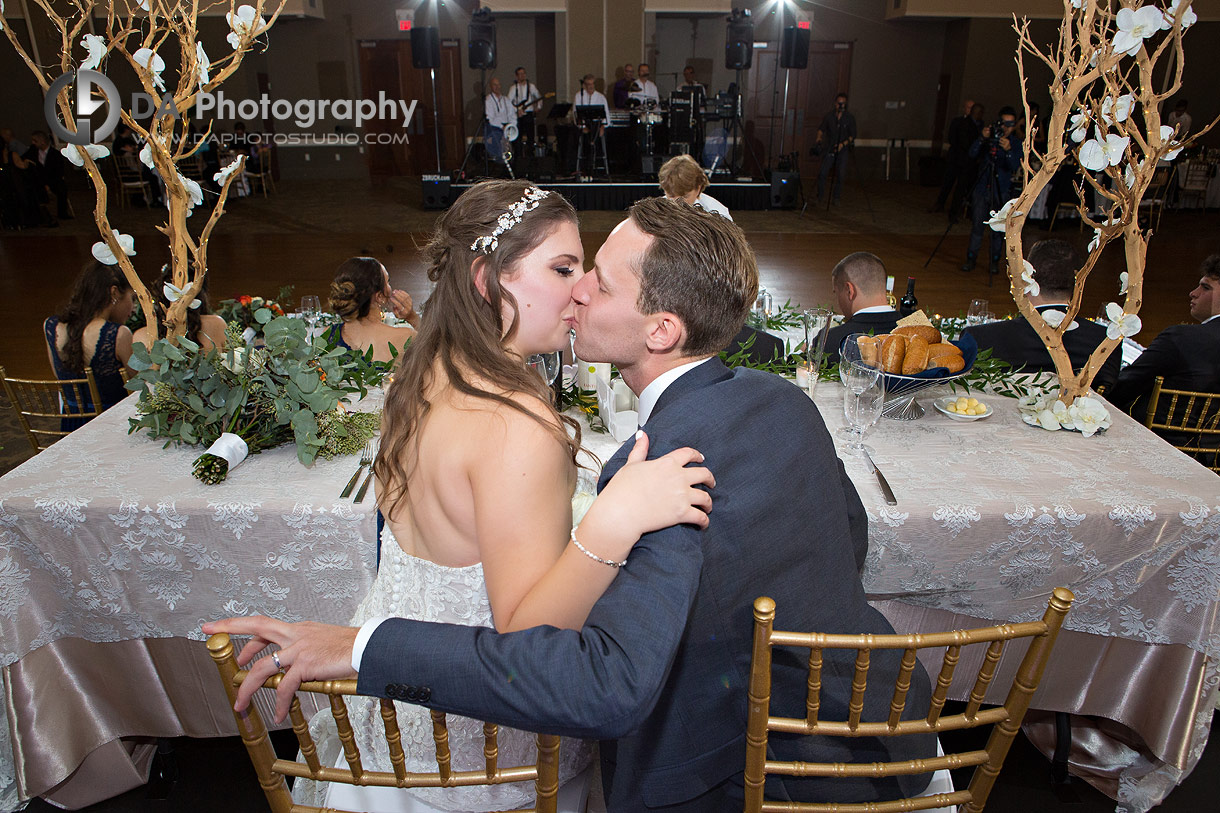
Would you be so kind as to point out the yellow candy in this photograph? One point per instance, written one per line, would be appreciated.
(973, 402)
(978, 410)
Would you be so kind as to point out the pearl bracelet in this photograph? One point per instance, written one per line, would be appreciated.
(593, 555)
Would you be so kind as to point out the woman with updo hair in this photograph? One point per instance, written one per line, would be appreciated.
(203, 327)
(359, 293)
(89, 332)
(475, 475)
(681, 177)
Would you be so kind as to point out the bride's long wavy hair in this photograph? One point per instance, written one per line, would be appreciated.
(463, 330)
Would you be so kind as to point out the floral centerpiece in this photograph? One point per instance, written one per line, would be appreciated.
(250, 398)
(240, 312)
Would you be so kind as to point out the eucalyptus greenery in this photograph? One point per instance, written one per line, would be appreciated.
(785, 316)
(285, 391)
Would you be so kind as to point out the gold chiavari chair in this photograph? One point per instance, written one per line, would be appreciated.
(131, 180)
(40, 407)
(1193, 413)
(262, 176)
(1006, 719)
(271, 771)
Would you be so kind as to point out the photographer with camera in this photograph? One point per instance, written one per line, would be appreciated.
(999, 151)
(835, 136)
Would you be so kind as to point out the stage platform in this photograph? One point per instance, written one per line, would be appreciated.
(618, 195)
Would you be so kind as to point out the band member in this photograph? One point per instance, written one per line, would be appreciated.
(527, 101)
(622, 88)
(835, 137)
(689, 83)
(644, 88)
(588, 95)
(500, 114)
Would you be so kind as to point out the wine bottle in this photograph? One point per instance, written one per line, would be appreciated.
(908, 304)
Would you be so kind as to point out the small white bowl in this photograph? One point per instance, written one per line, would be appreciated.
(942, 406)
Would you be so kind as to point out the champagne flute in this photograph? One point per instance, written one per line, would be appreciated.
(863, 401)
(546, 364)
(311, 309)
(817, 324)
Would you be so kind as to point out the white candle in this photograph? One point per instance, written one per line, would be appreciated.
(802, 377)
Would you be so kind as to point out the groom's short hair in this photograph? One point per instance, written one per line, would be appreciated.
(699, 267)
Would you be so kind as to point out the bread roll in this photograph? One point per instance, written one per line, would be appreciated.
(953, 361)
(870, 350)
(941, 348)
(893, 351)
(928, 333)
(915, 360)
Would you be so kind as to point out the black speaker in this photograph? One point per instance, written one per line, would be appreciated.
(436, 191)
(784, 189)
(425, 47)
(481, 41)
(794, 52)
(739, 45)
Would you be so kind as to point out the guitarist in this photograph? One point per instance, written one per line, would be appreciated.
(527, 101)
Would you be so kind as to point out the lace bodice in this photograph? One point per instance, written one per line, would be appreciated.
(409, 587)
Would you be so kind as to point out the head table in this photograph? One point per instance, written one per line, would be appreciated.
(112, 554)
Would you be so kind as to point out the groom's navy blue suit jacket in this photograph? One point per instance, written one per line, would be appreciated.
(660, 670)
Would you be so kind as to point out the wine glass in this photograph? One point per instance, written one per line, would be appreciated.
(977, 312)
(863, 400)
(311, 309)
(546, 364)
(849, 354)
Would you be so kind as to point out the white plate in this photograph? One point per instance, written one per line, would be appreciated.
(942, 405)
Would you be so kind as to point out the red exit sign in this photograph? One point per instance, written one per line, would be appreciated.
(803, 24)
(404, 25)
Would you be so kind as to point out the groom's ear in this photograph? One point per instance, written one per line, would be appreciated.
(666, 332)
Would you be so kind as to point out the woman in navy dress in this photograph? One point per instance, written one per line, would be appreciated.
(88, 331)
(360, 290)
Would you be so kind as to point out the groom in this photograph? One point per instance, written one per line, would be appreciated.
(660, 670)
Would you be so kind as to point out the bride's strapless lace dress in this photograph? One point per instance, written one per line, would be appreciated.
(409, 587)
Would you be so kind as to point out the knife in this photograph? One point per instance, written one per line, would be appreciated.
(885, 486)
(365, 487)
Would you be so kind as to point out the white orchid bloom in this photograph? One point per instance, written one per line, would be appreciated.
(96, 46)
(1096, 241)
(1103, 151)
(1079, 126)
(1122, 283)
(149, 60)
(173, 293)
(1000, 215)
(102, 253)
(1129, 176)
(146, 157)
(242, 24)
(1, 12)
(1077, 4)
(146, 5)
(73, 153)
(1055, 318)
(194, 193)
(1134, 26)
(1117, 112)
(205, 64)
(223, 175)
(1088, 415)
(1167, 133)
(1122, 324)
(1027, 276)
(1188, 19)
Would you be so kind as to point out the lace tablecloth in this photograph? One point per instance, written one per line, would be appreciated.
(107, 537)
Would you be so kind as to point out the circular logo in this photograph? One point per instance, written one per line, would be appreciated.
(85, 81)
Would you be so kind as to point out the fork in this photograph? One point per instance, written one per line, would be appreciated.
(366, 459)
(364, 487)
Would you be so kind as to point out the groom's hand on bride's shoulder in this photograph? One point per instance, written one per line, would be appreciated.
(307, 651)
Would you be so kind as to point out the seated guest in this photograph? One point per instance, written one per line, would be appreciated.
(682, 177)
(48, 165)
(89, 332)
(858, 282)
(1186, 356)
(203, 327)
(360, 290)
(764, 349)
(1016, 342)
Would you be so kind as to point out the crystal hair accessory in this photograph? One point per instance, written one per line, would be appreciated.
(173, 293)
(529, 201)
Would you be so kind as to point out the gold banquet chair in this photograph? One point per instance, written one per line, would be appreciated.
(271, 771)
(987, 762)
(1197, 413)
(39, 403)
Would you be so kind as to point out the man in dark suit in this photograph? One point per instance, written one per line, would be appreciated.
(1187, 356)
(1016, 342)
(759, 346)
(660, 670)
(49, 171)
(858, 282)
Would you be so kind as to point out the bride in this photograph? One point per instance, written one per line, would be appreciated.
(475, 476)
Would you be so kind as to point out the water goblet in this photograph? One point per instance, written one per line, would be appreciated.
(977, 312)
(863, 401)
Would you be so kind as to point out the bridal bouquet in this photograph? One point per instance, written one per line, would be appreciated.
(250, 398)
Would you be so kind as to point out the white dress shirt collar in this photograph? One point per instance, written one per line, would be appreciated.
(1208, 319)
(652, 393)
(875, 309)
